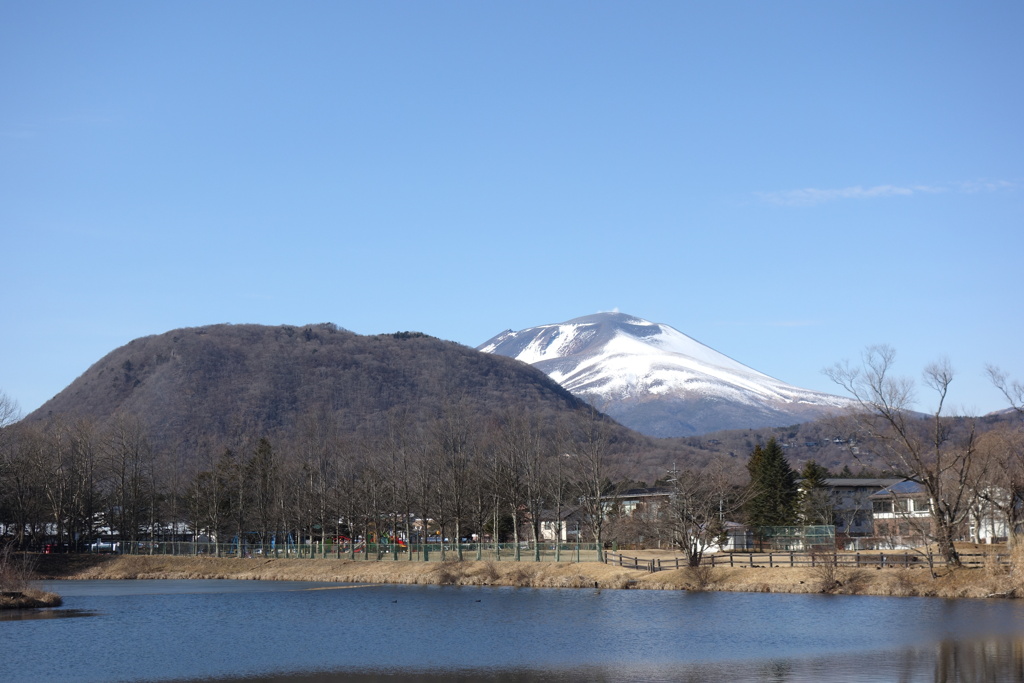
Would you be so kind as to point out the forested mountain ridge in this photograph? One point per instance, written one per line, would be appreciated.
(223, 383)
(235, 430)
(199, 390)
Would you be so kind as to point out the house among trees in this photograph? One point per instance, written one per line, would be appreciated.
(991, 513)
(903, 515)
(627, 502)
(738, 537)
(566, 526)
(851, 505)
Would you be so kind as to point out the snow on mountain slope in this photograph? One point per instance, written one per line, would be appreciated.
(656, 379)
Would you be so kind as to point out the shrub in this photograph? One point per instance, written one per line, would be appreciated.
(449, 572)
(15, 570)
(701, 576)
(825, 569)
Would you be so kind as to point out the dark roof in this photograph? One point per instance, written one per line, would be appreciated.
(643, 493)
(903, 488)
(879, 482)
(568, 513)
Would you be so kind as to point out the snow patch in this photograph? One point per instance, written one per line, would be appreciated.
(617, 357)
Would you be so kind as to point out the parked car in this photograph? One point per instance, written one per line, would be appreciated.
(104, 546)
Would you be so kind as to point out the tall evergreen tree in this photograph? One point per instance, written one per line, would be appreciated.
(815, 501)
(774, 495)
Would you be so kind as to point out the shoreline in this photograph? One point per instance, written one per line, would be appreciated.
(29, 598)
(903, 582)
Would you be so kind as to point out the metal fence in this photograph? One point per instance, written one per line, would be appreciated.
(412, 552)
(806, 538)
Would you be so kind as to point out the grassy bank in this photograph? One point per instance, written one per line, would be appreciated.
(16, 591)
(28, 598)
(964, 583)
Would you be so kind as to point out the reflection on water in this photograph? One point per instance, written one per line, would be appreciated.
(32, 614)
(991, 660)
(299, 632)
(947, 662)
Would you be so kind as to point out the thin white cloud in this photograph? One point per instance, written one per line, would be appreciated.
(973, 186)
(813, 196)
(768, 323)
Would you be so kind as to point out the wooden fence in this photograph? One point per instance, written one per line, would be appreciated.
(879, 559)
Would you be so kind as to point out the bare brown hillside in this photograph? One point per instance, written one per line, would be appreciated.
(198, 387)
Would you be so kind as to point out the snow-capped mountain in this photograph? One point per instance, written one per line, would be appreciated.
(657, 380)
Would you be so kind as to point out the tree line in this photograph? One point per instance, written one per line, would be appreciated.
(497, 476)
(63, 480)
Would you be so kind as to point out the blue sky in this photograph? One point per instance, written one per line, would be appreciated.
(787, 182)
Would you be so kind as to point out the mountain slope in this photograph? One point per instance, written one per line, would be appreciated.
(657, 380)
(205, 386)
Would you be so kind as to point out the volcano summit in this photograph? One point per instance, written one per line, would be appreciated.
(657, 380)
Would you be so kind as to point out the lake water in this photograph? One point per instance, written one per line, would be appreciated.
(313, 632)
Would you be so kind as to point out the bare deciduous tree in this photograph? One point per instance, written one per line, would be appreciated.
(936, 451)
(129, 471)
(700, 502)
(1000, 495)
(264, 476)
(22, 495)
(510, 446)
(454, 451)
(590, 442)
(9, 410)
(1004, 446)
(396, 460)
(522, 451)
(1011, 389)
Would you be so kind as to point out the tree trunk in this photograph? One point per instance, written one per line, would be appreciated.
(944, 538)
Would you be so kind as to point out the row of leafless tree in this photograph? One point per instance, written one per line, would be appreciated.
(66, 479)
(58, 480)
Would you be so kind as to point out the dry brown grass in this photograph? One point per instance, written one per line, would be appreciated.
(826, 573)
(29, 598)
(702, 576)
(16, 570)
(974, 583)
(1015, 577)
(16, 575)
